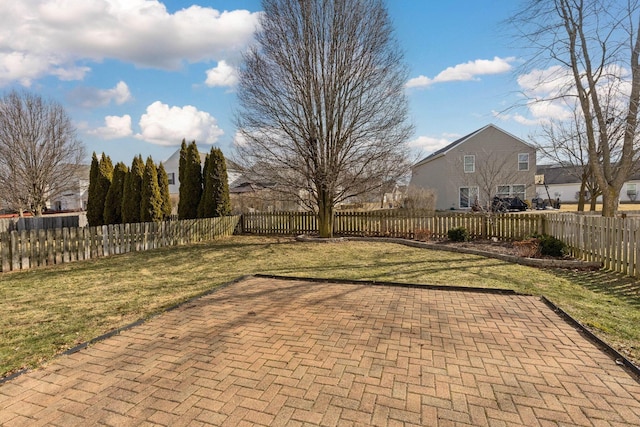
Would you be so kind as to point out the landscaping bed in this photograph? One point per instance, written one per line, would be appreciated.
(515, 252)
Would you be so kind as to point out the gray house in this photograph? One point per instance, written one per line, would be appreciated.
(472, 170)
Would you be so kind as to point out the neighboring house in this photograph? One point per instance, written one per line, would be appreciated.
(172, 164)
(563, 182)
(249, 193)
(76, 196)
(486, 163)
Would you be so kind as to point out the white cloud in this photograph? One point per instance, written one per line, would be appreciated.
(430, 144)
(59, 37)
(222, 75)
(551, 82)
(465, 72)
(517, 117)
(115, 127)
(89, 97)
(164, 125)
(240, 140)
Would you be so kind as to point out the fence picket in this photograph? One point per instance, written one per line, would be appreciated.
(33, 248)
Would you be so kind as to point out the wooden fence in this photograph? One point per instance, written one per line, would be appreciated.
(615, 242)
(20, 250)
(395, 224)
(41, 222)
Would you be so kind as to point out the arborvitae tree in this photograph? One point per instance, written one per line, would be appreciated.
(151, 202)
(163, 183)
(183, 159)
(113, 203)
(182, 166)
(191, 184)
(133, 192)
(215, 197)
(92, 210)
(103, 182)
(202, 209)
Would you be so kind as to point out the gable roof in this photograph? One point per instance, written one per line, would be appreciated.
(568, 174)
(460, 141)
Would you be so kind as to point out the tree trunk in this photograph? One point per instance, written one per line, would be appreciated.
(325, 214)
(610, 198)
(583, 186)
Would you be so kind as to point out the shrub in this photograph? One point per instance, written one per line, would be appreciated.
(551, 246)
(458, 234)
(529, 248)
(423, 234)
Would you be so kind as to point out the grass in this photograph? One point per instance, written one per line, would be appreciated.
(49, 310)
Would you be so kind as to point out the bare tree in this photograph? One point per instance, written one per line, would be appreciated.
(39, 151)
(564, 142)
(322, 102)
(598, 43)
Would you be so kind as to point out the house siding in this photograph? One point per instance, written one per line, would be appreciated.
(493, 148)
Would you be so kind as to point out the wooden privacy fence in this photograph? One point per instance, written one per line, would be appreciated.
(36, 223)
(615, 242)
(395, 224)
(28, 249)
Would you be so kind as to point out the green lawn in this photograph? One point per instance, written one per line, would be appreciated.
(48, 310)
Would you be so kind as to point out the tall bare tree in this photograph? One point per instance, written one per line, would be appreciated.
(564, 142)
(39, 151)
(598, 43)
(322, 102)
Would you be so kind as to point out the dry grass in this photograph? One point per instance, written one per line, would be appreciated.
(46, 311)
(624, 207)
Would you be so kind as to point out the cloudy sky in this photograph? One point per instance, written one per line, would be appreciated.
(138, 76)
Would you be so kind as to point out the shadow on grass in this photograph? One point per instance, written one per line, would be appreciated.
(605, 283)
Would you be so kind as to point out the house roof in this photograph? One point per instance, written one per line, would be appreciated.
(464, 139)
(566, 174)
(174, 160)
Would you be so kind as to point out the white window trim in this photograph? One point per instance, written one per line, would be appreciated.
(464, 163)
(470, 202)
(519, 162)
(511, 192)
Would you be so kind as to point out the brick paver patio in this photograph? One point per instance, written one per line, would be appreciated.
(274, 352)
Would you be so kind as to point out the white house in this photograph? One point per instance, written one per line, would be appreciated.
(564, 183)
(75, 197)
(473, 169)
(171, 166)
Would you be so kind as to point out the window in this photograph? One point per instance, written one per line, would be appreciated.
(511, 191)
(631, 192)
(518, 191)
(503, 191)
(469, 164)
(468, 196)
(172, 178)
(523, 162)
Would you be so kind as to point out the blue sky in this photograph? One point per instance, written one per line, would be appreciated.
(136, 76)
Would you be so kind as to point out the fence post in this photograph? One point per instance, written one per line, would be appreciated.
(5, 251)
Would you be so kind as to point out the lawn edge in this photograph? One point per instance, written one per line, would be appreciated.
(126, 327)
(618, 358)
(529, 262)
(500, 291)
